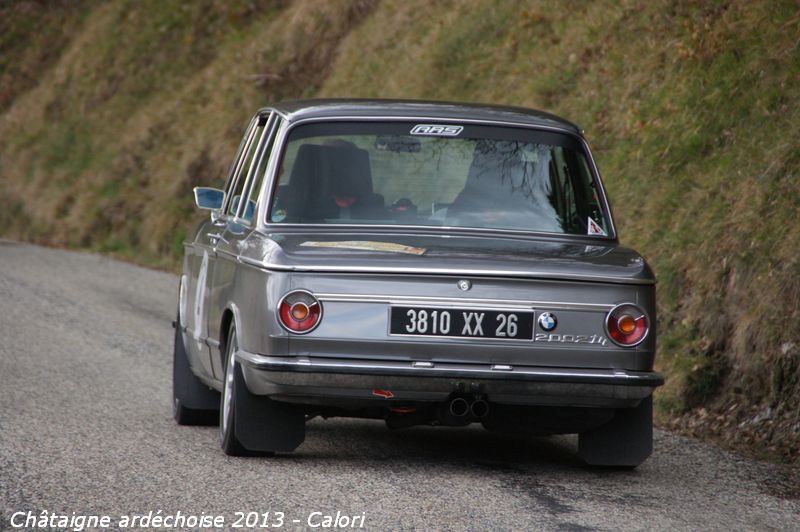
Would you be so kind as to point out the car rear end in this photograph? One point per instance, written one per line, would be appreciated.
(444, 272)
(383, 340)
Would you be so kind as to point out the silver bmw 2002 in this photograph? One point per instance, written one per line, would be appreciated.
(418, 262)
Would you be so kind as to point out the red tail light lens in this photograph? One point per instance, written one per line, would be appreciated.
(299, 312)
(627, 325)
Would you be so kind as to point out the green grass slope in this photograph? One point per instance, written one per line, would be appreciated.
(111, 112)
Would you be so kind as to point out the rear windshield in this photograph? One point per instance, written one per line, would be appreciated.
(452, 175)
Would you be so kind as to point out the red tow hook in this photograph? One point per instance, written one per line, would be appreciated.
(382, 393)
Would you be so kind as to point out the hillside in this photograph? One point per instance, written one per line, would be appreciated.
(111, 112)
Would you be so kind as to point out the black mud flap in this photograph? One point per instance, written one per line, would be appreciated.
(264, 425)
(625, 441)
(197, 404)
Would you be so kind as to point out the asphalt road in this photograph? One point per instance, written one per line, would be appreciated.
(86, 427)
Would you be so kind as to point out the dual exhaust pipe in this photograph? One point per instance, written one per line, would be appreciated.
(457, 411)
(463, 410)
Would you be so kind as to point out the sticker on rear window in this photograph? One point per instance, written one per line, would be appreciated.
(594, 228)
(437, 130)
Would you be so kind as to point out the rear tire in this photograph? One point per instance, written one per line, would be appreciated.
(193, 403)
(253, 424)
(626, 441)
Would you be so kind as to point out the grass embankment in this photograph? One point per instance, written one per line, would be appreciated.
(112, 112)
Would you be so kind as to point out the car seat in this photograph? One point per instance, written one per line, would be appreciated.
(331, 182)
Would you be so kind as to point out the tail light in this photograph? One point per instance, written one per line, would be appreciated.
(627, 325)
(299, 312)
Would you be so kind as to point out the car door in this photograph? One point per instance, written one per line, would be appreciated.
(239, 223)
(195, 339)
(200, 257)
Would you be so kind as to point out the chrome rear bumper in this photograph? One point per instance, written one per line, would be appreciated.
(301, 379)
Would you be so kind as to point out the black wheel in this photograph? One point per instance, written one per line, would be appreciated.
(253, 424)
(193, 403)
(625, 442)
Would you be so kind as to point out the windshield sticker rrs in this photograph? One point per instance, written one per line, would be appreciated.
(437, 130)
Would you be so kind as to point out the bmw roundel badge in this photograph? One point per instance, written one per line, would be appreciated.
(547, 321)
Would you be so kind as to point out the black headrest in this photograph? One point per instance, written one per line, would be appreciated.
(350, 170)
(306, 181)
(320, 172)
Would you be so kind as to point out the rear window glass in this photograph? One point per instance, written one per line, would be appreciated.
(373, 173)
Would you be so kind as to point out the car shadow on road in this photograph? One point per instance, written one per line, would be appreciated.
(366, 440)
(524, 466)
(540, 472)
(365, 443)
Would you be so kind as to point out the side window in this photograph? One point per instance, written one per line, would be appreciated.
(243, 168)
(254, 186)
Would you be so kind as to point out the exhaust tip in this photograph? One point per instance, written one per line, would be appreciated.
(459, 407)
(479, 409)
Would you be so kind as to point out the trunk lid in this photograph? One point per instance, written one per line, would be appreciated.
(581, 260)
(359, 278)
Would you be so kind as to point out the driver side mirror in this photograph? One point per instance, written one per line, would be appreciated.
(208, 198)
